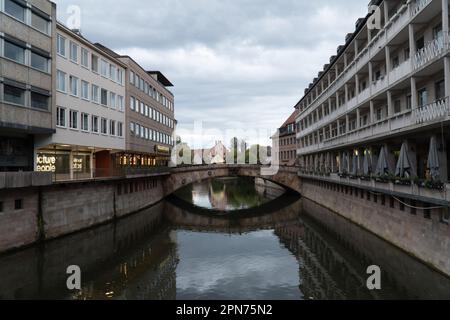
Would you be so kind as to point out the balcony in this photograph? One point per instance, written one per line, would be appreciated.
(430, 52)
(437, 110)
(418, 6)
(379, 85)
(364, 95)
(399, 72)
(397, 22)
(378, 43)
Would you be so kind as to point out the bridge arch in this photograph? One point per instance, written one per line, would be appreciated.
(180, 177)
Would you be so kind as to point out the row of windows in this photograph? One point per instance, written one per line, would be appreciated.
(89, 60)
(88, 92)
(31, 16)
(144, 86)
(287, 155)
(149, 134)
(16, 93)
(149, 112)
(88, 123)
(20, 52)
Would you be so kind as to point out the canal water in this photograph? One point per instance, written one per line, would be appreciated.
(274, 246)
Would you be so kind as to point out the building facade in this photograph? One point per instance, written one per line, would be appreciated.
(285, 141)
(150, 117)
(89, 112)
(380, 109)
(27, 92)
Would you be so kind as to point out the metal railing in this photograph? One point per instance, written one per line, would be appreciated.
(436, 110)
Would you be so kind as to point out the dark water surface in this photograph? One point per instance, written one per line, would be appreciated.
(296, 251)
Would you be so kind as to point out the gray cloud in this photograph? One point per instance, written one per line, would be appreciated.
(234, 63)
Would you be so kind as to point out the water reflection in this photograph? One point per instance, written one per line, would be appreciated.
(225, 194)
(299, 251)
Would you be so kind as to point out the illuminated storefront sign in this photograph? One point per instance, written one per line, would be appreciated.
(162, 149)
(46, 163)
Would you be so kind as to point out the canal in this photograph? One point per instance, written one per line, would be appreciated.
(233, 238)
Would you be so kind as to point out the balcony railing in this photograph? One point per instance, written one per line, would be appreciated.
(379, 85)
(431, 51)
(399, 72)
(397, 22)
(439, 109)
(418, 6)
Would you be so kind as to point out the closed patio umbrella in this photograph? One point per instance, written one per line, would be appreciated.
(366, 163)
(344, 162)
(354, 165)
(433, 160)
(382, 165)
(403, 165)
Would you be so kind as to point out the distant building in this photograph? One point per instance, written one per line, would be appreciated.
(285, 141)
(214, 155)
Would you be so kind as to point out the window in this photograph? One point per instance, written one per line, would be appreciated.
(94, 63)
(60, 117)
(73, 119)
(440, 90)
(408, 102)
(120, 103)
(94, 124)
(119, 129)
(407, 53)
(104, 68)
(60, 81)
(132, 77)
(73, 85)
(14, 52)
(14, 9)
(397, 106)
(95, 93)
(132, 128)
(142, 108)
(423, 97)
(39, 62)
(112, 72)
(18, 204)
(39, 22)
(84, 90)
(132, 103)
(420, 44)
(437, 32)
(84, 58)
(103, 126)
(112, 100)
(104, 97)
(61, 45)
(120, 76)
(112, 127)
(39, 101)
(74, 52)
(14, 95)
(395, 62)
(84, 122)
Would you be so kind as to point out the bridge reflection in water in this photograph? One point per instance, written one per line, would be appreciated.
(296, 251)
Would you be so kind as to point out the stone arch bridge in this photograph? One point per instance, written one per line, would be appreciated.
(286, 177)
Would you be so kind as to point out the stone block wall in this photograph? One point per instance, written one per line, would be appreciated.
(422, 233)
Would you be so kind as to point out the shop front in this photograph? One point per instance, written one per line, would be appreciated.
(140, 162)
(65, 164)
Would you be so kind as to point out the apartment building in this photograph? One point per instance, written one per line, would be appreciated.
(89, 112)
(286, 142)
(27, 92)
(380, 107)
(150, 117)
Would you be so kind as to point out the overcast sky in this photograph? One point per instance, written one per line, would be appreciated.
(235, 64)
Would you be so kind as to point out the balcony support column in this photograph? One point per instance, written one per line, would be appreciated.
(370, 75)
(347, 123)
(390, 104)
(329, 105)
(414, 100)
(412, 42)
(371, 115)
(357, 85)
(445, 20)
(338, 127)
(356, 48)
(346, 93)
(388, 62)
(358, 118)
(345, 60)
(337, 99)
(447, 75)
(386, 12)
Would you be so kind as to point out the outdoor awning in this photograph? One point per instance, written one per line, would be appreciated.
(433, 160)
(403, 169)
